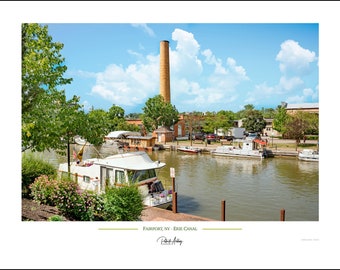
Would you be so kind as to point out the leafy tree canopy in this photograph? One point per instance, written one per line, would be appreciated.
(222, 119)
(46, 114)
(157, 113)
(253, 120)
(280, 119)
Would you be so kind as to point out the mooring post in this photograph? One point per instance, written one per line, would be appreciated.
(282, 215)
(174, 193)
(223, 210)
(174, 202)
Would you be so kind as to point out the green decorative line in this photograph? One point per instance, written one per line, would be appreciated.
(118, 229)
(222, 229)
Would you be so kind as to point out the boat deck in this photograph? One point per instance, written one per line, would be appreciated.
(158, 214)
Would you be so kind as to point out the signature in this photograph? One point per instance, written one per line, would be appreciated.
(165, 241)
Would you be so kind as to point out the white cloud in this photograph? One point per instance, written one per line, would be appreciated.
(288, 84)
(310, 93)
(295, 62)
(128, 86)
(184, 60)
(261, 93)
(145, 28)
(295, 99)
(84, 74)
(294, 59)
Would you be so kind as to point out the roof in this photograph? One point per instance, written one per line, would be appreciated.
(303, 106)
(140, 137)
(139, 160)
(163, 129)
(121, 133)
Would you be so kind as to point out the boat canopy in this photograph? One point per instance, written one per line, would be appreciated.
(139, 160)
(119, 134)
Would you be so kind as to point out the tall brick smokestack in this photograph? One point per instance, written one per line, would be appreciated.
(164, 68)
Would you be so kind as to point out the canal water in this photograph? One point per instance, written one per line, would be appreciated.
(253, 190)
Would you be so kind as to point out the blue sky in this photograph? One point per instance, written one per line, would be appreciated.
(213, 66)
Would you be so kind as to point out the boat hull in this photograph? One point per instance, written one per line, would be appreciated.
(230, 151)
(258, 156)
(189, 150)
(308, 155)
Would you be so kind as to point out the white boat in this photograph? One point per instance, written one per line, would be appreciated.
(242, 148)
(189, 149)
(308, 155)
(79, 140)
(121, 169)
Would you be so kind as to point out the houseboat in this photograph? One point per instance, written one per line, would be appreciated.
(96, 174)
(242, 148)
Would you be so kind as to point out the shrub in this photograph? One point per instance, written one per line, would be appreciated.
(43, 190)
(56, 218)
(122, 204)
(68, 198)
(116, 204)
(77, 204)
(33, 167)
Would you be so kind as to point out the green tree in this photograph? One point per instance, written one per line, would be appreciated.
(42, 65)
(98, 125)
(313, 120)
(297, 125)
(268, 113)
(157, 113)
(133, 116)
(244, 113)
(225, 120)
(116, 116)
(280, 119)
(209, 124)
(253, 120)
(220, 120)
(193, 122)
(46, 114)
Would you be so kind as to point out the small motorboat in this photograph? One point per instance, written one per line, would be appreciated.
(189, 149)
(308, 155)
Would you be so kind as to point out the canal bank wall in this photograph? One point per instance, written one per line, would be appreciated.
(208, 148)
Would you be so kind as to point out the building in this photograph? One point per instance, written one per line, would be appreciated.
(302, 107)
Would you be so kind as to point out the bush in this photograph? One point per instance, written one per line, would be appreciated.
(33, 167)
(122, 204)
(116, 204)
(56, 218)
(68, 198)
(43, 190)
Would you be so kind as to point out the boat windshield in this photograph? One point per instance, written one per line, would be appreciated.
(138, 176)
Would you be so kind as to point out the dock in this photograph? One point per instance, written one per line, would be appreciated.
(209, 148)
(157, 214)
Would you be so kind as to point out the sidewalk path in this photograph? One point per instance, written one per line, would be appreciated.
(158, 214)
